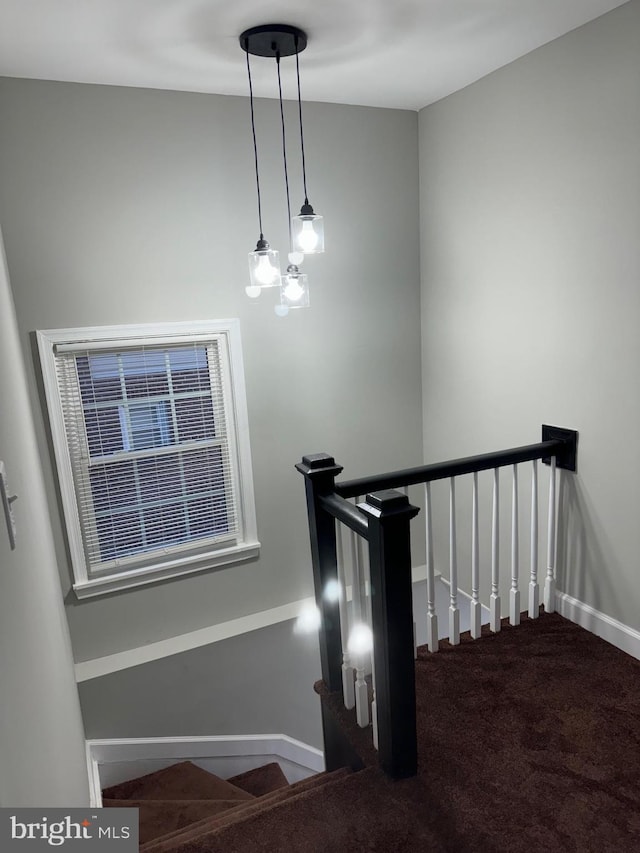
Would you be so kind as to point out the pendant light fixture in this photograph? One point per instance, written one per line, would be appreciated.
(305, 231)
(308, 226)
(294, 289)
(264, 262)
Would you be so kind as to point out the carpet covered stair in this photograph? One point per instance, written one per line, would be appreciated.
(528, 740)
(179, 795)
(251, 825)
(159, 817)
(185, 807)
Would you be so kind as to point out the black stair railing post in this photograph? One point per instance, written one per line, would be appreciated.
(389, 513)
(319, 471)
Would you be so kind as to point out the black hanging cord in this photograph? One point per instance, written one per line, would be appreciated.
(255, 145)
(304, 171)
(284, 151)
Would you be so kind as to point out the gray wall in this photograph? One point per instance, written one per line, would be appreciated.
(530, 215)
(42, 756)
(257, 683)
(122, 205)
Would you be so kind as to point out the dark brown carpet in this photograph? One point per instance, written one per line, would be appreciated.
(204, 835)
(183, 781)
(157, 818)
(355, 813)
(529, 740)
(261, 780)
(177, 796)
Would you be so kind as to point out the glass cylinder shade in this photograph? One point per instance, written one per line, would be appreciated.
(294, 290)
(308, 233)
(264, 267)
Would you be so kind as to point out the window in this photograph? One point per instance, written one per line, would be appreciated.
(151, 440)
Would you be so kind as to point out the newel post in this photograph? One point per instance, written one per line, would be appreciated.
(389, 513)
(319, 471)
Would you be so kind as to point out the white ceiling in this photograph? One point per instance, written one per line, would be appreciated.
(387, 53)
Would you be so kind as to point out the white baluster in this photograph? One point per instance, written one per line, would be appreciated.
(374, 705)
(432, 617)
(359, 658)
(348, 672)
(550, 583)
(363, 567)
(454, 613)
(514, 594)
(476, 606)
(356, 580)
(364, 584)
(363, 556)
(405, 491)
(534, 590)
(362, 693)
(495, 555)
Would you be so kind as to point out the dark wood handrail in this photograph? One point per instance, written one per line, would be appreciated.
(452, 468)
(347, 513)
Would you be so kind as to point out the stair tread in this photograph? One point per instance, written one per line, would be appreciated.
(357, 811)
(159, 817)
(182, 781)
(261, 780)
(209, 826)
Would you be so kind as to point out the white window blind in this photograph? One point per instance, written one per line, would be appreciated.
(152, 447)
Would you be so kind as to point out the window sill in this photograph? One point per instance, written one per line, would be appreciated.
(176, 568)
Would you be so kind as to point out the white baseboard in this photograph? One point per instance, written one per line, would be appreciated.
(99, 667)
(114, 761)
(625, 638)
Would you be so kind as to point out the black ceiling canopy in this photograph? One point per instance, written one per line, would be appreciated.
(273, 39)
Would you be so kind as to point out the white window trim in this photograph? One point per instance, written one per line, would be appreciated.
(247, 545)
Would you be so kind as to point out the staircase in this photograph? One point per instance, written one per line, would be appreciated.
(518, 736)
(528, 740)
(185, 808)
